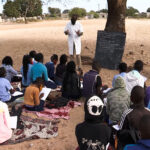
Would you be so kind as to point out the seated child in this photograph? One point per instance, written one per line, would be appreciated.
(134, 78)
(7, 63)
(32, 55)
(5, 130)
(51, 67)
(144, 143)
(32, 97)
(38, 69)
(118, 100)
(26, 71)
(122, 72)
(93, 133)
(5, 87)
(71, 82)
(60, 69)
(92, 82)
(131, 117)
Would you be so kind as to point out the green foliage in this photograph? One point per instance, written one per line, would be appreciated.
(54, 12)
(10, 9)
(131, 11)
(24, 8)
(95, 14)
(148, 10)
(81, 12)
(104, 11)
(66, 11)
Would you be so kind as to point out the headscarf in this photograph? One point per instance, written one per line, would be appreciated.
(94, 112)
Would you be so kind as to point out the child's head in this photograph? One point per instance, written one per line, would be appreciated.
(26, 60)
(144, 126)
(7, 61)
(63, 59)
(137, 95)
(96, 66)
(122, 67)
(93, 108)
(71, 67)
(32, 53)
(2, 72)
(39, 57)
(138, 65)
(54, 59)
(39, 82)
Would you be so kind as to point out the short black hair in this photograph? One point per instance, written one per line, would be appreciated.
(32, 53)
(137, 95)
(144, 125)
(2, 72)
(123, 67)
(63, 59)
(39, 81)
(39, 57)
(96, 66)
(54, 57)
(7, 61)
(138, 65)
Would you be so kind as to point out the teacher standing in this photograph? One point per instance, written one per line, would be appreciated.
(74, 30)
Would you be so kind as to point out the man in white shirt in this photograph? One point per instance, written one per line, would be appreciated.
(74, 30)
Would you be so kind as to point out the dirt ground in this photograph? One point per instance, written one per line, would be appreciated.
(47, 37)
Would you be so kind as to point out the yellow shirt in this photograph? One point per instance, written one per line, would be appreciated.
(31, 96)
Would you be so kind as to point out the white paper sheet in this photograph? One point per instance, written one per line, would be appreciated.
(13, 122)
(18, 75)
(145, 79)
(107, 90)
(116, 127)
(17, 93)
(46, 92)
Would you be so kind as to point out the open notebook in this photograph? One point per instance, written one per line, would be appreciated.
(46, 92)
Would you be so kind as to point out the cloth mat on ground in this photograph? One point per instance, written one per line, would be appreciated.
(59, 113)
(55, 113)
(34, 128)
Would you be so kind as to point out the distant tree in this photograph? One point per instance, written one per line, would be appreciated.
(10, 9)
(66, 11)
(23, 8)
(131, 11)
(95, 14)
(29, 8)
(81, 12)
(104, 10)
(148, 10)
(54, 12)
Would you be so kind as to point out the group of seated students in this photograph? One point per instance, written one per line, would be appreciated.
(124, 104)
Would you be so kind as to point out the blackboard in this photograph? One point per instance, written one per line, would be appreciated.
(110, 48)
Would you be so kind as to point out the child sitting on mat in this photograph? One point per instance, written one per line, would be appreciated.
(32, 97)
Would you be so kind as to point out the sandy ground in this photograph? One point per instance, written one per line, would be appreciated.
(47, 37)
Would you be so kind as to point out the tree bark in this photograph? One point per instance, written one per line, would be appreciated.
(116, 16)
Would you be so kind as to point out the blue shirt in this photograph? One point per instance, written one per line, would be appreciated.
(10, 72)
(51, 70)
(28, 81)
(39, 70)
(5, 87)
(123, 74)
(141, 145)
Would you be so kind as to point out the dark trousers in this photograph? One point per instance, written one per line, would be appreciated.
(40, 107)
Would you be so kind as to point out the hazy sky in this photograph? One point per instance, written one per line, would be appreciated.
(141, 5)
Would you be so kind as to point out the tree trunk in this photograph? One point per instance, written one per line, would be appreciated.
(116, 16)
